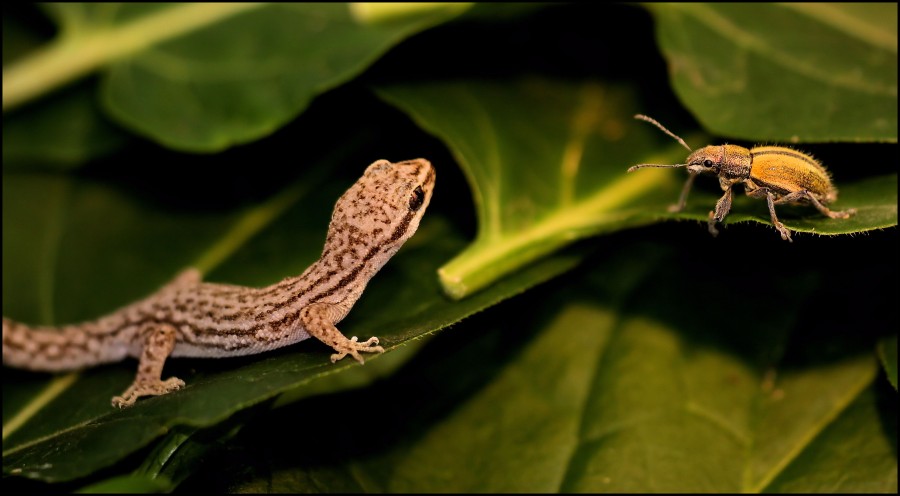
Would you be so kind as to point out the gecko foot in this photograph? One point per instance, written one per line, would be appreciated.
(352, 348)
(146, 388)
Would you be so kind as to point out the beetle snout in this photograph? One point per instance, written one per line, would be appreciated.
(701, 169)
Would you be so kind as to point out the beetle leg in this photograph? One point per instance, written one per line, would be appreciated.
(805, 195)
(682, 199)
(770, 199)
(723, 206)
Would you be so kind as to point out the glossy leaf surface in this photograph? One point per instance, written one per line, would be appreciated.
(786, 72)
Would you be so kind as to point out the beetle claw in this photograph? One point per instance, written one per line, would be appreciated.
(785, 232)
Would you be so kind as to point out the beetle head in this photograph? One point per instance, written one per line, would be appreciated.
(706, 160)
(728, 161)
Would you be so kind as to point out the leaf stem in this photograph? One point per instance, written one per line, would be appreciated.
(486, 260)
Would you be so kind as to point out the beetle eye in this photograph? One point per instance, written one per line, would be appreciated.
(708, 163)
(417, 198)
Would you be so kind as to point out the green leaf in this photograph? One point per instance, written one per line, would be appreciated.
(55, 251)
(64, 130)
(887, 352)
(631, 374)
(638, 395)
(546, 163)
(203, 77)
(786, 72)
(72, 121)
(174, 457)
(128, 484)
(875, 200)
(851, 455)
(671, 361)
(544, 160)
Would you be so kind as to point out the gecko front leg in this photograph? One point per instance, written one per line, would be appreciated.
(158, 344)
(319, 318)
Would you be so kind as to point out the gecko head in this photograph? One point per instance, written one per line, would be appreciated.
(383, 208)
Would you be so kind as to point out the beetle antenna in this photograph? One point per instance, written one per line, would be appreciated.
(641, 166)
(663, 129)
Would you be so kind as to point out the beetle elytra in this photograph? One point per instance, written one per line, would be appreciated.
(780, 175)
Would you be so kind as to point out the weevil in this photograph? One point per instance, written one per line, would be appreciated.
(778, 174)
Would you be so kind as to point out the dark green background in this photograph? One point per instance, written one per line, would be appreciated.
(667, 360)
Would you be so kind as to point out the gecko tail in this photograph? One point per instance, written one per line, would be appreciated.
(55, 349)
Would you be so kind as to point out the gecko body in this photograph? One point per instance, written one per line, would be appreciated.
(191, 318)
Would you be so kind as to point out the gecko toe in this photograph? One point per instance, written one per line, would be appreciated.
(146, 388)
(353, 348)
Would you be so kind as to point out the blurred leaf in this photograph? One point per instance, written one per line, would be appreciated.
(128, 484)
(610, 379)
(855, 453)
(786, 72)
(19, 36)
(175, 457)
(136, 248)
(62, 131)
(546, 161)
(385, 12)
(887, 352)
(203, 77)
(616, 379)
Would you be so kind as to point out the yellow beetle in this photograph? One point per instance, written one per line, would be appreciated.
(780, 175)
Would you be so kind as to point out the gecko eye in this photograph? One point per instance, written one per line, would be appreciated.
(417, 198)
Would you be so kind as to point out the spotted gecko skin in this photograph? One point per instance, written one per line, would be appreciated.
(190, 318)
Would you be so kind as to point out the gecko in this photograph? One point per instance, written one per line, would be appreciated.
(191, 318)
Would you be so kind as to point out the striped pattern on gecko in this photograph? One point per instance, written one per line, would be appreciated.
(190, 318)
